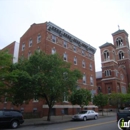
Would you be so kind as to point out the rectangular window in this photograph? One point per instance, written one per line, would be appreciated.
(53, 39)
(74, 48)
(30, 42)
(65, 44)
(38, 38)
(23, 46)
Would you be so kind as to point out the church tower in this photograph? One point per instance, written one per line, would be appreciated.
(121, 42)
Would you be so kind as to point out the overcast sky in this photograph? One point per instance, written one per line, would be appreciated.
(93, 21)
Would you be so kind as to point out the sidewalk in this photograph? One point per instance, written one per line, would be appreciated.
(58, 119)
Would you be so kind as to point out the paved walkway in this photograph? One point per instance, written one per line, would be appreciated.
(57, 119)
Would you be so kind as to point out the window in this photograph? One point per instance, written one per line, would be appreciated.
(107, 72)
(74, 48)
(90, 66)
(38, 49)
(75, 60)
(109, 89)
(53, 39)
(38, 38)
(23, 46)
(119, 42)
(116, 73)
(83, 64)
(90, 56)
(65, 57)
(53, 50)
(34, 110)
(99, 89)
(122, 77)
(84, 79)
(83, 52)
(118, 88)
(106, 55)
(65, 44)
(114, 55)
(30, 42)
(121, 55)
(91, 81)
(29, 54)
(65, 97)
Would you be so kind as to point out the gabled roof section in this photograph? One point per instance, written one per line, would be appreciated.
(98, 74)
(119, 31)
(106, 44)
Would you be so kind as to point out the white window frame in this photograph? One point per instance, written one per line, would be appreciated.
(74, 48)
(65, 56)
(53, 51)
(65, 44)
(83, 64)
(38, 38)
(84, 79)
(23, 46)
(30, 42)
(53, 39)
(91, 81)
(75, 60)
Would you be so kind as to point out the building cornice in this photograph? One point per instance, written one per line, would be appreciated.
(62, 33)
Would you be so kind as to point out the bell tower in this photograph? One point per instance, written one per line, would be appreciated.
(121, 42)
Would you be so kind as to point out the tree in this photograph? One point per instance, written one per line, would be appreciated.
(116, 99)
(100, 100)
(80, 97)
(5, 62)
(48, 77)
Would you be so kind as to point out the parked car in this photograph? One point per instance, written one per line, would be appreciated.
(86, 114)
(11, 117)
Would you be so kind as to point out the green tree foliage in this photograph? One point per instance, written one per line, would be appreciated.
(81, 97)
(116, 99)
(5, 62)
(100, 100)
(43, 76)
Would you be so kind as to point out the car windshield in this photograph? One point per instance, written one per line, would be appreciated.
(82, 112)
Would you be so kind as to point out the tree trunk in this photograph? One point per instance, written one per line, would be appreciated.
(49, 114)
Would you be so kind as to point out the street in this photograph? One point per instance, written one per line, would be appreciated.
(107, 123)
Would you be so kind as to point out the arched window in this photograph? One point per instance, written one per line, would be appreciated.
(53, 50)
(75, 60)
(106, 55)
(119, 42)
(107, 72)
(121, 55)
(84, 79)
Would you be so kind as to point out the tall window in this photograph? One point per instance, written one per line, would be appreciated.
(83, 64)
(109, 89)
(23, 46)
(99, 89)
(114, 55)
(90, 66)
(38, 49)
(30, 42)
(106, 55)
(91, 81)
(53, 39)
(121, 55)
(65, 44)
(119, 42)
(84, 79)
(38, 38)
(53, 50)
(29, 54)
(83, 53)
(107, 72)
(65, 56)
(74, 48)
(75, 60)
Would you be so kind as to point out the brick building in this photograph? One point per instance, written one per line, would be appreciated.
(51, 39)
(115, 60)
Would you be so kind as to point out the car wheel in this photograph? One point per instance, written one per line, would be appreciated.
(84, 118)
(14, 124)
(95, 117)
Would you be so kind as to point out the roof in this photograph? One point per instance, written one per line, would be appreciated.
(119, 31)
(98, 74)
(106, 44)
